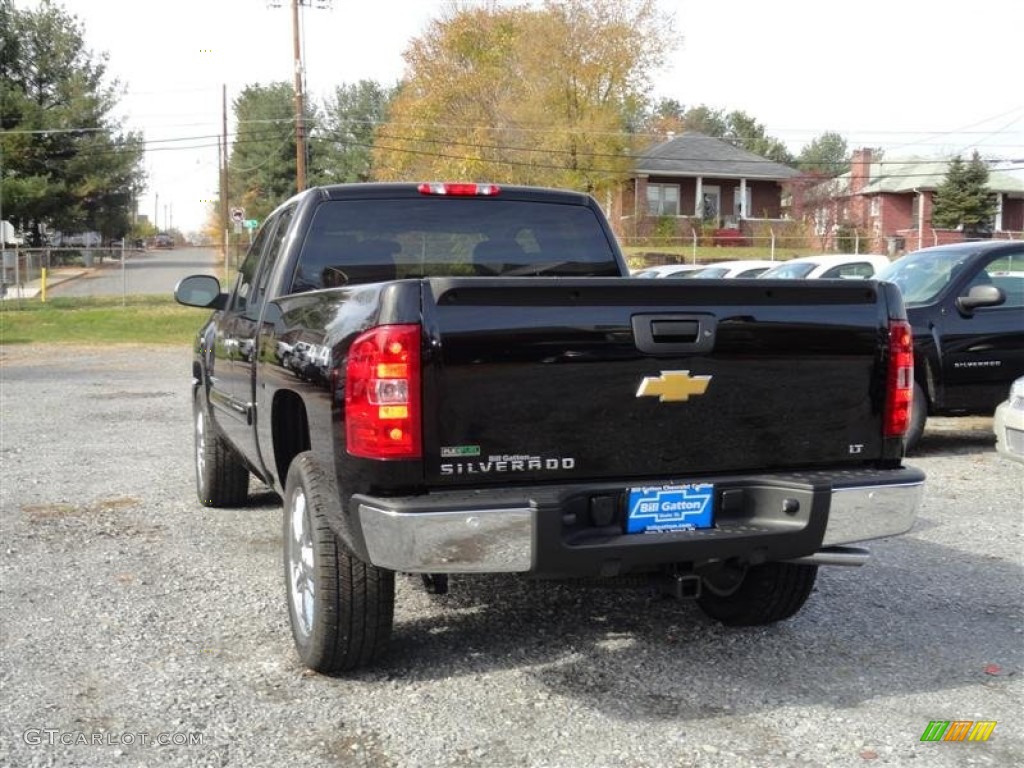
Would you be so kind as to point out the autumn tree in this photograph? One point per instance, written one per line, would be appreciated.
(963, 200)
(665, 117)
(526, 95)
(827, 154)
(67, 163)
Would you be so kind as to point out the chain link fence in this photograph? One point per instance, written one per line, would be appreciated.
(22, 269)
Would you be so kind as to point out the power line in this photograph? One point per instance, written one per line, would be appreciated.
(241, 139)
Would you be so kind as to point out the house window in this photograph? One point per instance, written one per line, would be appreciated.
(663, 199)
(876, 206)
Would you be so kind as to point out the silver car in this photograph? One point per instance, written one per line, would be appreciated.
(1009, 423)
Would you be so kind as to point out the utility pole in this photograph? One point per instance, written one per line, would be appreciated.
(300, 112)
(223, 154)
(300, 138)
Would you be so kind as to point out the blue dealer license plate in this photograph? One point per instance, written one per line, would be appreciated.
(671, 508)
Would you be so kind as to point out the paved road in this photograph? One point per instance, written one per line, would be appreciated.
(149, 272)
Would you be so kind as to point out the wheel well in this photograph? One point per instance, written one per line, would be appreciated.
(290, 428)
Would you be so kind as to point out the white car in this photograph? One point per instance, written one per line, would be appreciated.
(1008, 423)
(669, 270)
(743, 268)
(83, 240)
(828, 266)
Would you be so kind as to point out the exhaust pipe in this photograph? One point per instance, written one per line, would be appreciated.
(849, 556)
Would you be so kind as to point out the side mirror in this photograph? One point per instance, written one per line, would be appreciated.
(200, 291)
(980, 296)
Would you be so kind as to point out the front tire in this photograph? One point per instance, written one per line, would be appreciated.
(765, 594)
(341, 609)
(222, 479)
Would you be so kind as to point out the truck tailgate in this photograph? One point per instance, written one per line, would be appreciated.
(534, 379)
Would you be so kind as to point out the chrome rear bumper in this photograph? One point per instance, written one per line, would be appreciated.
(501, 538)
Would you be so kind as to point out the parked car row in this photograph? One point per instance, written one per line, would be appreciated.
(669, 270)
(829, 266)
(825, 266)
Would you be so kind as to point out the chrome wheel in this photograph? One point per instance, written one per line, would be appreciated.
(300, 564)
(200, 444)
(222, 479)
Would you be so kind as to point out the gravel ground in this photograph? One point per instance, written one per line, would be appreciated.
(131, 616)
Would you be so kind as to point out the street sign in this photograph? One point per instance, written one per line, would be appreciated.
(238, 214)
(251, 223)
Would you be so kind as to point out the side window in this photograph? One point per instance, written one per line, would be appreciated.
(247, 272)
(274, 250)
(1007, 273)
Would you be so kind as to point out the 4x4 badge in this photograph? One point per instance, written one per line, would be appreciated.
(673, 386)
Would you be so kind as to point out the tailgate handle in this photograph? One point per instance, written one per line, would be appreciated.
(674, 334)
(674, 331)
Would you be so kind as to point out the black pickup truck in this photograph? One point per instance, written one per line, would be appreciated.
(965, 304)
(454, 378)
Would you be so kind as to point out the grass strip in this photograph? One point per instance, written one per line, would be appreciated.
(143, 320)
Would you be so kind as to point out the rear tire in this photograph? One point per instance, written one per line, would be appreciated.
(767, 593)
(918, 417)
(341, 609)
(222, 479)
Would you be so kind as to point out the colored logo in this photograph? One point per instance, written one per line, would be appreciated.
(958, 730)
(672, 508)
(673, 386)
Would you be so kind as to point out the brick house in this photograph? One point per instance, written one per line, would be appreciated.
(694, 182)
(890, 203)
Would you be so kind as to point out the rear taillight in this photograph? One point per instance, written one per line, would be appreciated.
(382, 394)
(899, 390)
(459, 189)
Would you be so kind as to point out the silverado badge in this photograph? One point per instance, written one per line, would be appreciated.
(673, 386)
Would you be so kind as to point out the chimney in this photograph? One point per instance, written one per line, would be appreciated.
(860, 169)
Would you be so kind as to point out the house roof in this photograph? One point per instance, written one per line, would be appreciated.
(694, 154)
(898, 176)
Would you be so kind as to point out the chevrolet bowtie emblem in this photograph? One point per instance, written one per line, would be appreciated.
(673, 386)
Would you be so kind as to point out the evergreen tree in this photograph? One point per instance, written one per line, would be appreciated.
(963, 200)
(261, 164)
(343, 145)
(66, 162)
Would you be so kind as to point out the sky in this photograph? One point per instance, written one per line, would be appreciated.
(901, 75)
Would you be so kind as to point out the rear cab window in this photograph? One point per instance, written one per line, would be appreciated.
(362, 241)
